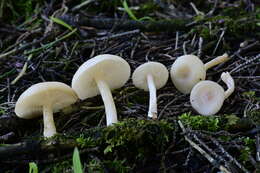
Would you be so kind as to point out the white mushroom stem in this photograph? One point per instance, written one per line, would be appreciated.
(48, 122)
(216, 61)
(110, 107)
(229, 81)
(152, 113)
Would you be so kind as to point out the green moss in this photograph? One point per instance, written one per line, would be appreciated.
(117, 165)
(253, 115)
(128, 142)
(84, 142)
(65, 166)
(230, 123)
(210, 123)
(19, 9)
(247, 150)
(95, 165)
(237, 22)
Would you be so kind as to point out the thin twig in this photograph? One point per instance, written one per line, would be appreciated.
(199, 149)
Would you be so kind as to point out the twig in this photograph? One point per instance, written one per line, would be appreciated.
(119, 24)
(206, 155)
(46, 46)
(245, 64)
(257, 148)
(196, 10)
(184, 48)
(7, 137)
(134, 32)
(177, 40)
(200, 46)
(23, 71)
(220, 38)
(25, 46)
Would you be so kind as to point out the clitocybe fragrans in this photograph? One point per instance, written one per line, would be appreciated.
(100, 75)
(151, 76)
(207, 97)
(188, 70)
(44, 99)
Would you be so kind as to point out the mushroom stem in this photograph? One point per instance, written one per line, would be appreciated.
(216, 61)
(152, 113)
(48, 122)
(229, 81)
(107, 98)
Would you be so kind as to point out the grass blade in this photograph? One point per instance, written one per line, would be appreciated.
(61, 22)
(77, 167)
(129, 11)
(33, 167)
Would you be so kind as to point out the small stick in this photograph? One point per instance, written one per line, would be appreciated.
(257, 148)
(206, 155)
(184, 48)
(23, 71)
(196, 10)
(177, 40)
(220, 38)
(46, 46)
(7, 137)
(200, 46)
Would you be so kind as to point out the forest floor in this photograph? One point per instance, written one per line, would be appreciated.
(48, 40)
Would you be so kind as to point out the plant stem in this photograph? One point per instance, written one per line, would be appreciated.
(107, 98)
(48, 122)
(152, 113)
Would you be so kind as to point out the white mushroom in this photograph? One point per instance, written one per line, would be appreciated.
(100, 75)
(151, 76)
(45, 98)
(188, 70)
(207, 97)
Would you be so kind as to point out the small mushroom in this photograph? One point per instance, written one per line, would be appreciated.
(100, 75)
(151, 76)
(45, 99)
(188, 70)
(207, 97)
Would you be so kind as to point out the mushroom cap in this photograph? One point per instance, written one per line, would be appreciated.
(207, 97)
(112, 69)
(30, 103)
(157, 70)
(186, 72)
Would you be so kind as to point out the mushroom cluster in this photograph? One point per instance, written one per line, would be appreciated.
(188, 70)
(104, 73)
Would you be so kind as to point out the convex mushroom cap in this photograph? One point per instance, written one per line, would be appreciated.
(100, 75)
(44, 99)
(207, 97)
(188, 70)
(151, 76)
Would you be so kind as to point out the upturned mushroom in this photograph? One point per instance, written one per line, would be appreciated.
(100, 75)
(45, 99)
(207, 97)
(151, 76)
(188, 70)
